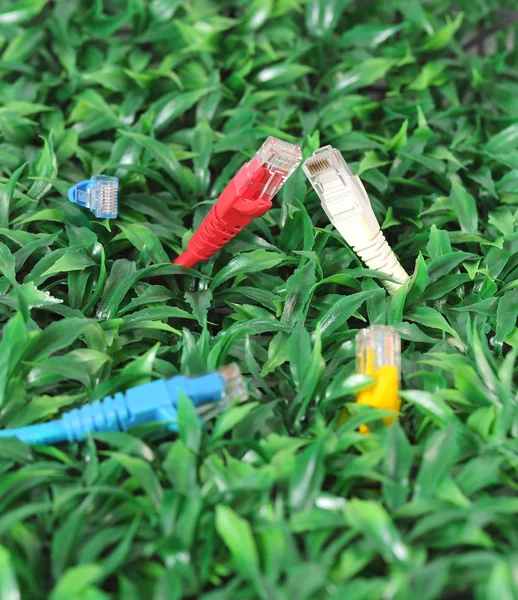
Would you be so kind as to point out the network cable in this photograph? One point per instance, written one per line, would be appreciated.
(378, 354)
(247, 196)
(347, 205)
(99, 194)
(152, 402)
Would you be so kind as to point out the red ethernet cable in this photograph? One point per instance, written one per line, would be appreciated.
(247, 196)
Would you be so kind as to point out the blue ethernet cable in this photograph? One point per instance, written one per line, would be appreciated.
(99, 194)
(152, 402)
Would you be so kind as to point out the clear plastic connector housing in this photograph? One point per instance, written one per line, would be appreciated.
(99, 194)
(376, 347)
(334, 182)
(281, 159)
(235, 390)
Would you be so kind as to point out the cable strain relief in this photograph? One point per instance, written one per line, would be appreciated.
(212, 234)
(391, 286)
(378, 255)
(110, 414)
(187, 259)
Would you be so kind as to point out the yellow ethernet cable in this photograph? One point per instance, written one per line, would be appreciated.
(347, 205)
(378, 354)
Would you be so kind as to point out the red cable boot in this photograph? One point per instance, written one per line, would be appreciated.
(247, 196)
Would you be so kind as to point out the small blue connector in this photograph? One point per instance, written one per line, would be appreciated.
(152, 402)
(99, 194)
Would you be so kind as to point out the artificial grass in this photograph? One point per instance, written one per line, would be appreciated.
(277, 500)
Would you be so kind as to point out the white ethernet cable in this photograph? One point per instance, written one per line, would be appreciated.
(347, 205)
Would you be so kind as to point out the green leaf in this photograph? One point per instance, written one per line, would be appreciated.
(465, 207)
(501, 582)
(21, 11)
(64, 540)
(47, 214)
(163, 155)
(443, 37)
(181, 468)
(413, 11)
(257, 14)
(484, 178)
(236, 534)
(440, 453)
(143, 474)
(72, 260)
(14, 449)
(299, 289)
(189, 424)
(76, 582)
(342, 310)
(17, 516)
(203, 145)
(438, 243)
(371, 520)
(249, 262)
(282, 73)
(322, 16)
(7, 263)
(6, 195)
(400, 139)
(307, 477)
(504, 141)
(397, 303)
(506, 314)
(12, 346)
(94, 100)
(118, 556)
(429, 317)
(200, 303)
(397, 463)
(145, 240)
(46, 169)
(299, 350)
(58, 335)
(431, 74)
(278, 353)
(173, 105)
(311, 377)
(441, 265)
(360, 589)
(79, 365)
(363, 74)
(368, 35)
(340, 387)
(120, 280)
(370, 161)
(230, 418)
(8, 585)
(430, 405)
(444, 286)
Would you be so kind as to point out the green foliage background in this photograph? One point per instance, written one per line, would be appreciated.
(276, 500)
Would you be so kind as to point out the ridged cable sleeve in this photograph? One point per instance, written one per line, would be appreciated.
(212, 234)
(378, 255)
(247, 196)
(110, 414)
(349, 209)
(155, 401)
